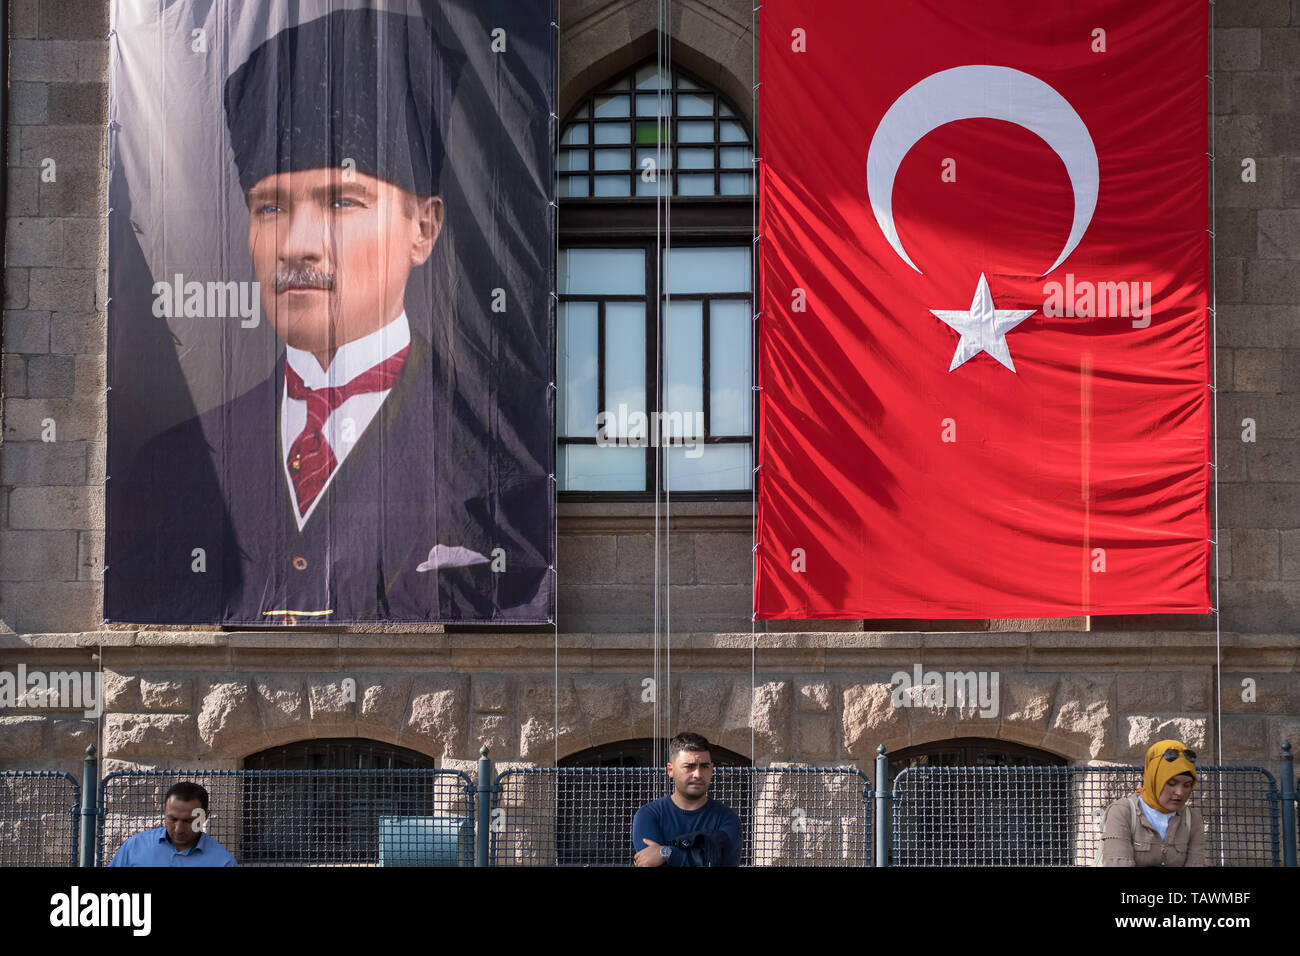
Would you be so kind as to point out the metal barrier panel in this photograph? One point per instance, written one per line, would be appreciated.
(1051, 816)
(39, 814)
(582, 816)
(308, 817)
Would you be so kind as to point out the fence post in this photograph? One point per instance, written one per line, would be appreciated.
(483, 809)
(1288, 805)
(89, 797)
(883, 796)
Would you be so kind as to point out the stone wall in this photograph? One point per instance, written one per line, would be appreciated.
(210, 699)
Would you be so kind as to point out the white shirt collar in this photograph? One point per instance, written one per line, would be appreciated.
(352, 358)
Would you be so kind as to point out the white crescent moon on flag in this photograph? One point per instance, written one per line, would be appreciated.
(982, 92)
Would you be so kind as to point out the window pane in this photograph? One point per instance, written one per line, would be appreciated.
(695, 158)
(730, 388)
(735, 184)
(575, 135)
(613, 106)
(695, 185)
(602, 272)
(694, 104)
(695, 131)
(593, 468)
(664, 180)
(654, 155)
(649, 134)
(613, 186)
(712, 269)
(649, 104)
(732, 132)
(718, 467)
(649, 78)
(613, 158)
(574, 159)
(684, 368)
(577, 410)
(735, 156)
(612, 132)
(624, 364)
(573, 186)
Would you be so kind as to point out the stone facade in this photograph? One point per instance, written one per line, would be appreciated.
(1087, 691)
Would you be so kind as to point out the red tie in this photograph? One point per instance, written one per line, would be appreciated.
(311, 460)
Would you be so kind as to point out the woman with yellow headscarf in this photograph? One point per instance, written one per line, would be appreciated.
(1155, 826)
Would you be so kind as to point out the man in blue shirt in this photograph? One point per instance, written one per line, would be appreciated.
(711, 828)
(180, 841)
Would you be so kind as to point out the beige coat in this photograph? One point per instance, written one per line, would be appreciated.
(1182, 845)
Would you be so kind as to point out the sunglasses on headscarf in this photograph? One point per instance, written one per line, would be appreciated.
(1171, 754)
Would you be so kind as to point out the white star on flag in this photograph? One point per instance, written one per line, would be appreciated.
(983, 328)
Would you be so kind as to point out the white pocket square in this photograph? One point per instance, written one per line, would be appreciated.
(442, 556)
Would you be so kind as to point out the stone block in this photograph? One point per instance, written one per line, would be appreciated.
(491, 693)
(33, 242)
(90, 373)
(1255, 505)
(167, 694)
(1252, 13)
(1143, 731)
(603, 703)
(148, 735)
(15, 291)
(62, 290)
(73, 20)
(228, 722)
(70, 737)
(1259, 93)
(539, 738)
(1265, 191)
(1259, 326)
(613, 609)
(42, 463)
(1274, 461)
(42, 60)
(51, 376)
(1245, 739)
(77, 104)
(1267, 281)
(38, 555)
(77, 333)
(1083, 717)
(1236, 232)
(26, 332)
(587, 558)
(281, 700)
(497, 731)
(90, 555)
(439, 714)
(384, 700)
(1269, 692)
(1266, 370)
(1255, 554)
(121, 691)
(1290, 541)
(636, 555)
(71, 147)
(54, 508)
(1147, 691)
(27, 419)
(1237, 48)
(1279, 48)
(815, 698)
(22, 737)
(723, 558)
(1266, 607)
(1196, 691)
(330, 699)
(869, 719)
(814, 737)
(700, 699)
(24, 18)
(43, 607)
(78, 193)
(13, 376)
(1028, 700)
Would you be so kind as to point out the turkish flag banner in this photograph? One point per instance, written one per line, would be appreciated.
(984, 356)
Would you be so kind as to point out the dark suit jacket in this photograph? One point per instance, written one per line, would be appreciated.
(421, 474)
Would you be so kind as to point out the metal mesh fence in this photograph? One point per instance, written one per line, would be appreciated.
(308, 817)
(39, 814)
(1050, 816)
(582, 816)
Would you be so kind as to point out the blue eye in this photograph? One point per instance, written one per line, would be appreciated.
(268, 209)
(342, 203)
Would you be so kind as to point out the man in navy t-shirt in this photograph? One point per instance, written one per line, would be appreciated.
(687, 811)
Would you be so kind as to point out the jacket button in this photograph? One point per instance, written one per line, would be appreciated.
(299, 562)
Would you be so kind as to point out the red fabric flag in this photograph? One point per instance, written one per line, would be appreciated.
(984, 347)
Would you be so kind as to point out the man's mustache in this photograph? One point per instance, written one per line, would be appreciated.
(300, 277)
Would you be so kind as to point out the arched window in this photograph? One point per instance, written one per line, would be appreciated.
(627, 380)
